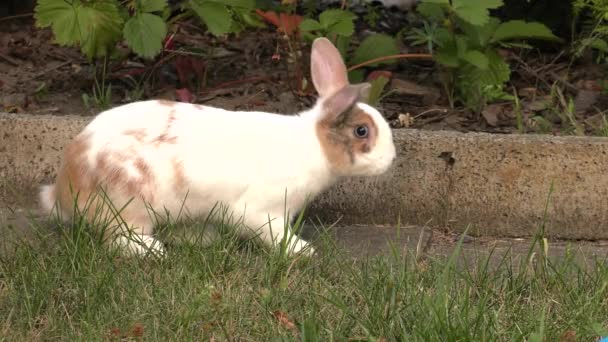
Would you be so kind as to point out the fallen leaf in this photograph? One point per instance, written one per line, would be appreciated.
(285, 321)
(568, 336)
(490, 114)
(137, 330)
(405, 120)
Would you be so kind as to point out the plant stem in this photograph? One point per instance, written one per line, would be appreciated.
(385, 58)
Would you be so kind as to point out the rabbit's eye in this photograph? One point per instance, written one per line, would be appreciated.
(361, 131)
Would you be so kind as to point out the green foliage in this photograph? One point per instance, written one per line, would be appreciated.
(465, 40)
(331, 21)
(97, 25)
(375, 46)
(145, 31)
(220, 16)
(593, 15)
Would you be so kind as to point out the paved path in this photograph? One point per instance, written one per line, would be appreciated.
(365, 240)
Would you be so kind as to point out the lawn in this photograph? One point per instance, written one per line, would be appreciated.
(62, 284)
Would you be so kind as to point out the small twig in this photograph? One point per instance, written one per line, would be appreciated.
(18, 16)
(44, 72)
(237, 82)
(8, 59)
(442, 110)
(385, 58)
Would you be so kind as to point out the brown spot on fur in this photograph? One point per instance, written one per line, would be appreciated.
(74, 178)
(165, 137)
(179, 182)
(138, 134)
(167, 103)
(336, 134)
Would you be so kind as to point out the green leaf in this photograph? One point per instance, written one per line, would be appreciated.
(332, 16)
(310, 25)
(374, 46)
(144, 34)
(338, 21)
(356, 76)
(215, 15)
(377, 86)
(447, 54)
(479, 36)
(475, 12)
(515, 29)
(441, 2)
(476, 58)
(343, 28)
(245, 4)
(599, 44)
(431, 11)
(96, 27)
(152, 5)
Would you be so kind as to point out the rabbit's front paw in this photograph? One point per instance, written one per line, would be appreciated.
(299, 246)
(139, 245)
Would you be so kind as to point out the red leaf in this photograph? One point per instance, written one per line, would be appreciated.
(184, 95)
(169, 42)
(290, 22)
(287, 23)
(270, 17)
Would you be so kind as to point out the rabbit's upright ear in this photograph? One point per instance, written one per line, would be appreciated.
(327, 68)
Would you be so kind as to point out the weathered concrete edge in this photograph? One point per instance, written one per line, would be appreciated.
(495, 185)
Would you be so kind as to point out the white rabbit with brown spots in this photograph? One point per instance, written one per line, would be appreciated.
(176, 157)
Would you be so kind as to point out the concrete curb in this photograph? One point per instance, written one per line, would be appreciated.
(497, 185)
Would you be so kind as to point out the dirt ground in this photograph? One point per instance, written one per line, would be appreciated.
(251, 71)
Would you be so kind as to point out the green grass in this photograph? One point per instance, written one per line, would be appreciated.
(64, 285)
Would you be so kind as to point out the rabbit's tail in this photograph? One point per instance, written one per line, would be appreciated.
(47, 198)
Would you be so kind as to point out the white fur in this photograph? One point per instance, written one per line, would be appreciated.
(258, 164)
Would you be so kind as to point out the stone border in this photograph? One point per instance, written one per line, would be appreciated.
(497, 185)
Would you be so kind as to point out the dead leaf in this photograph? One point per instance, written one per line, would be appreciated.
(137, 330)
(405, 120)
(429, 95)
(285, 321)
(568, 336)
(491, 112)
(528, 92)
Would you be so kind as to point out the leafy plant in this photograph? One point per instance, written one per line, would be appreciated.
(97, 25)
(593, 15)
(466, 40)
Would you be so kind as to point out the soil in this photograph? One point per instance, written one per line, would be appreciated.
(253, 71)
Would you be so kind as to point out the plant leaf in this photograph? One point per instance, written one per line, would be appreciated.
(442, 2)
(447, 54)
(152, 5)
(477, 58)
(431, 11)
(517, 29)
(96, 27)
(332, 16)
(475, 12)
(215, 15)
(310, 25)
(144, 34)
(375, 46)
(244, 4)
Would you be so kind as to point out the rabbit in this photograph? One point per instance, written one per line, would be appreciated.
(176, 157)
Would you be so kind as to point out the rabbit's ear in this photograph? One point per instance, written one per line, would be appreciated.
(327, 68)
